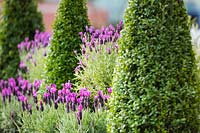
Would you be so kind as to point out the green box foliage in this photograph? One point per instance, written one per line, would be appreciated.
(61, 61)
(155, 87)
(20, 19)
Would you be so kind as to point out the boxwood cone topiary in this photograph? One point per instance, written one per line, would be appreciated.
(61, 61)
(155, 86)
(19, 19)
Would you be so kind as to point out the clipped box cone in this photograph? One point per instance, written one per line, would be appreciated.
(61, 61)
(155, 86)
(20, 19)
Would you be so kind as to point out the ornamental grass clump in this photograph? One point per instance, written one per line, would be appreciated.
(97, 60)
(155, 85)
(70, 20)
(33, 54)
(19, 19)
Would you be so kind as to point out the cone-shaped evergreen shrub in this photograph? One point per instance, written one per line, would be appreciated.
(20, 19)
(155, 87)
(61, 61)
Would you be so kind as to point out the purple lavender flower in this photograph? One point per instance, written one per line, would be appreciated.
(68, 85)
(80, 108)
(96, 102)
(35, 96)
(79, 114)
(53, 89)
(30, 109)
(22, 65)
(12, 82)
(3, 93)
(37, 84)
(109, 90)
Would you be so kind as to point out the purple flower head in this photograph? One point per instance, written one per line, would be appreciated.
(53, 88)
(8, 91)
(19, 93)
(63, 91)
(48, 88)
(4, 92)
(25, 99)
(59, 92)
(34, 93)
(81, 34)
(100, 94)
(107, 97)
(37, 84)
(1, 83)
(120, 26)
(30, 108)
(12, 82)
(46, 95)
(16, 88)
(85, 92)
(111, 27)
(73, 97)
(86, 28)
(77, 69)
(109, 90)
(21, 98)
(68, 98)
(83, 50)
(67, 85)
(24, 85)
(29, 86)
(19, 78)
(80, 108)
(91, 29)
(80, 100)
(22, 65)
(95, 97)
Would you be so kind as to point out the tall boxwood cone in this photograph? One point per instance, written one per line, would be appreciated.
(155, 87)
(19, 19)
(70, 20)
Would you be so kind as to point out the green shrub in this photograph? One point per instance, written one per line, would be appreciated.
(155, 87)
(19, 20)
(61, 61)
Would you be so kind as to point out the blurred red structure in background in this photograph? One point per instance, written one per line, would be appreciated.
(97, 18)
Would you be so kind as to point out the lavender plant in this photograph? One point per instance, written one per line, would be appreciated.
(46, 111)
(32, 55)
(97, 61)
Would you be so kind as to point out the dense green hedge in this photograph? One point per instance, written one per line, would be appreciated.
(155, 87)
(61, 61)
(20, 19)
